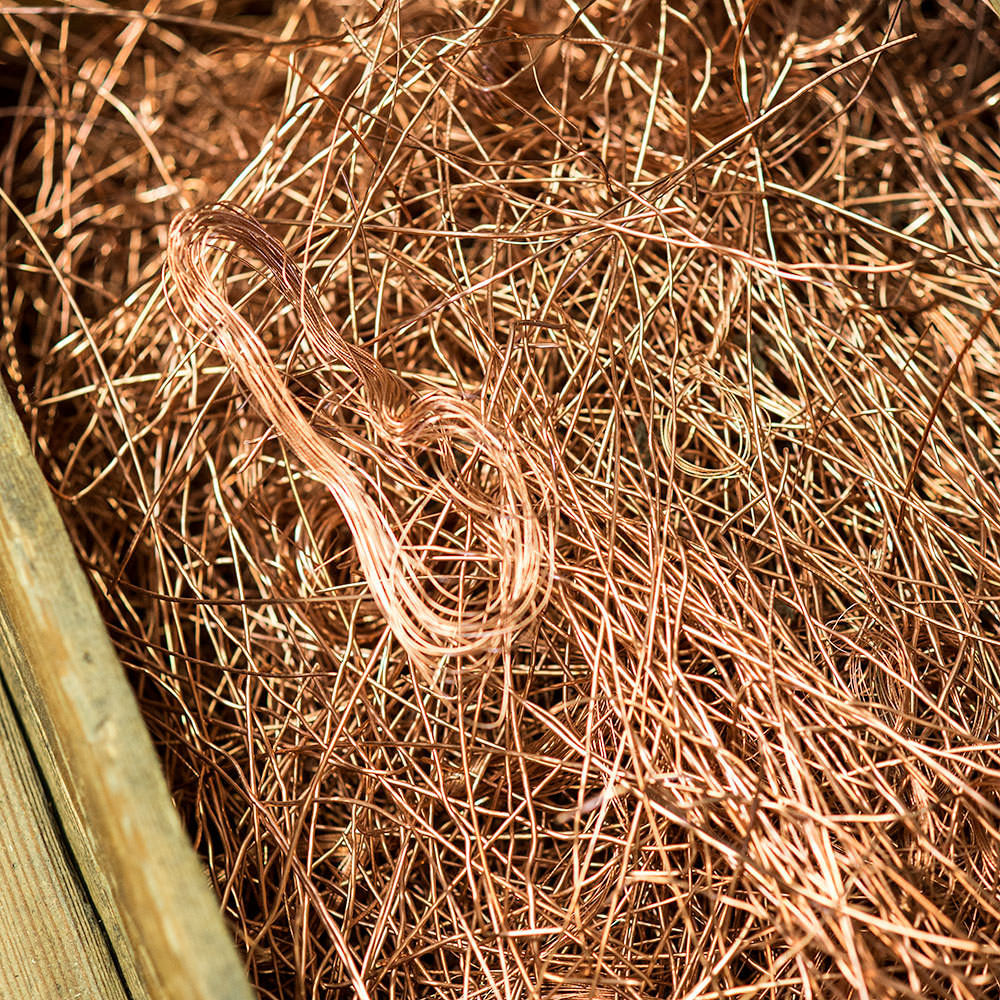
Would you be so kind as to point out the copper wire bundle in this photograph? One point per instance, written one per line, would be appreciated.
(430, 626)
(547, 495)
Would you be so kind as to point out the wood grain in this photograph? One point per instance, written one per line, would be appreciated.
(52, 946)
(95, 755)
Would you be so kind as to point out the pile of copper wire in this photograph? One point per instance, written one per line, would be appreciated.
(538, 463)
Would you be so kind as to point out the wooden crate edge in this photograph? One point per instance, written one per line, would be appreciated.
(97, 757)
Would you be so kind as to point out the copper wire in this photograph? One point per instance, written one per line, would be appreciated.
(549, 502)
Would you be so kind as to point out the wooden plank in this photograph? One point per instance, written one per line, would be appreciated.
(52, 945)
(98, 762)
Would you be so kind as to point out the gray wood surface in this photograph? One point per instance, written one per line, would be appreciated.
(96, 758)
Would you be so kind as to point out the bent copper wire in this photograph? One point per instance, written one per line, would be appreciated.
(500, 581)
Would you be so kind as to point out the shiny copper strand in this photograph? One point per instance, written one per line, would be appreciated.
(547, 495)
(463, 631)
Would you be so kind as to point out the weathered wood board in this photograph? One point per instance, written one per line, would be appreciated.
(52, 945)
(98, 766)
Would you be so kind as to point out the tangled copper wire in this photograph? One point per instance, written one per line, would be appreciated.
(430, 622)
(547, 497)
